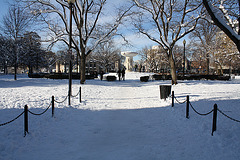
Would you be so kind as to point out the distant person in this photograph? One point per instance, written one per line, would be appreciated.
(123, 74)
(101, 75)
(119, 74)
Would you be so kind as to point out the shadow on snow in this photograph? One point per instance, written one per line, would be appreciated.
(151, 133)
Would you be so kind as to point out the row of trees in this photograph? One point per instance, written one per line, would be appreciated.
(18, 46)
(208, 44)
(24, 52)
(162, 21)
(89, 26)
(155, 59)
(208, 47)
(170, 21)
(214, 47)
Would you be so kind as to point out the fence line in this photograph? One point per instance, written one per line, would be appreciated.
(201, 114)
(228, 116)
(12, 119)
(214, 111)
(39, 114)
(26, 110)
(77, 93)
(61, 101)
(179, 101)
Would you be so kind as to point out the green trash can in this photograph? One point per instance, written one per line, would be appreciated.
(165, 91)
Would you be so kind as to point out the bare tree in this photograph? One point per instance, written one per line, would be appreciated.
(226, 53)
(14, 24)
(225, 14)
(178, 52)
(154, 58)
(204, 38)
(106, 54)
(90, 27)
(170, 21)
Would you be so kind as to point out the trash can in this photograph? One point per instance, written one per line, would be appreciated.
(111, 78)
(144, 78)
(165, 91)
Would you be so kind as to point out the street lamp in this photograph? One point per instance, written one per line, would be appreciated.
(184, 45)
(77, 60)
(70, 2)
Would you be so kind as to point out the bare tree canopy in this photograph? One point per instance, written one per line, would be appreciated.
(106, 54)
(91, 26)
(170, 21)
(16, 21)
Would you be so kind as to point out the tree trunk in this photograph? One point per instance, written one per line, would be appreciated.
(173, 67)
(5, 67)
(221, 70)
(30, 69)
(216, 68)
(208, 64)
(15, 65)
(65, 67)
(83, 69)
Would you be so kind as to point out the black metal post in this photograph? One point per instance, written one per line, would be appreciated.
(239, 18)
(16, 62)
(52, 106)
(70, 57)
(80, 94)
(172, 98)
(160, 91)
(25, 120)
(77, 64)
(230, 64)
(214, 125)
(184, 45)
(70, 83)
(187, 108)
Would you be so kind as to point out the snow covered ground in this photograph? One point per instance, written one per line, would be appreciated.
(123, 120)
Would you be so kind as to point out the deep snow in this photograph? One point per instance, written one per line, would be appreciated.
(123, 120)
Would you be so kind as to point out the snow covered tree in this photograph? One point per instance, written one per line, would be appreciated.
(225, 14)
(170, 21)
(91, 27)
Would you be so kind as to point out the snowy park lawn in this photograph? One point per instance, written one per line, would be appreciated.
(123, 120)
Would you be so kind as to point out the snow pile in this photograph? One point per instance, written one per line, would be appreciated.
(118, 120)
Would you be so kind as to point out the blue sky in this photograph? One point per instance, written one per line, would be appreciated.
(4, 7)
